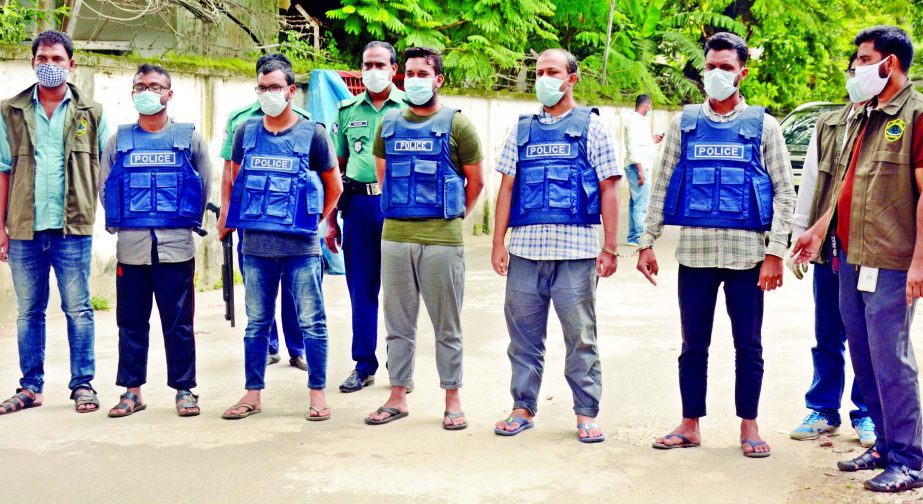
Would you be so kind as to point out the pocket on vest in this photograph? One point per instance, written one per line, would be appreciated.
(590, 183)
(254, 195)
(424, 182)
(139, 192)
(280, 198)
(701, 191)
(399, 183)
(454, 198)
(533, 187)
(167, 192)
(560, 187)
(732, 193)
(763, 190)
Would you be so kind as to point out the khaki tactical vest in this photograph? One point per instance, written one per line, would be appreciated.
(81, 155)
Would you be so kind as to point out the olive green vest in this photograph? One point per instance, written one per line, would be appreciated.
(81, 154)
(831, 127)
(882, 226)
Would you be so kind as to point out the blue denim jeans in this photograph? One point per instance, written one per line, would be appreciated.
(300, 277)
(637, 206)
(290, 330)
(878, 330)
(826, 390)
(30, 263)
(531, 287)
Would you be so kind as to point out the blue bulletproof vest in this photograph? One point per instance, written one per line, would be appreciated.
(276, 189)
(720, 180)
(555, 183)
(420, 181)
(153, 183)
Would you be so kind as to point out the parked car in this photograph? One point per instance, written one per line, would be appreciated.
(797, 128)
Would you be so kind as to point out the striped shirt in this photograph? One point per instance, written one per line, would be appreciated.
(736, 249)
(554, 242)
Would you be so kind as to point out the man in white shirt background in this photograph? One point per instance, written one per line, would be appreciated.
(640, 155)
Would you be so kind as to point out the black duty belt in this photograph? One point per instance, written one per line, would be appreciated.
(353, 187)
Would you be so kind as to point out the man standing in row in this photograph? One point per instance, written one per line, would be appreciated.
(560, 174)
(360, 204)
(725, 177)
(876, 215)
(428, 159)
(51, 137)
(815, 194)
(289, 321)
(286, 181)
(154, 182)
(640, 155)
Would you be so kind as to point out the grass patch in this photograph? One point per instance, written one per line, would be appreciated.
(100, 303)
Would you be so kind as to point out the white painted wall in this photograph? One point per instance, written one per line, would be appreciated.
(207, 102)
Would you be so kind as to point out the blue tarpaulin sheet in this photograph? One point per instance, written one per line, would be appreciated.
(325, 91)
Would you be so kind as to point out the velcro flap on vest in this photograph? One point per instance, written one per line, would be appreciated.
(125, 141)
(304, 135)
(733, 176)
(387, 123)
(523, 129)
(250, 128)
(752, 122)
(182, 135)
(690, 117)
(425, 167)
(534, 175)
(558, 173)
(579, 123)
(400, 169)
(257, 182)
(281, 185)
(152, 159)
(719, 151)
(703, 176)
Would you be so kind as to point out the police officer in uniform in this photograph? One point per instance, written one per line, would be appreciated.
(360, 204)
(725, 177)
(154, 182)
(428, 159)
(286, 182)
(560, 174)
(290, 330)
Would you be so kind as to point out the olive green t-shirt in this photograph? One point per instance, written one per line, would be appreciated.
(465, 150)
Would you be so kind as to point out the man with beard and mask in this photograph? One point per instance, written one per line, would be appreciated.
(154, 182)
(876, 216)
(51, 137)
(428, 160)
(285, 181)
(725, 177)
(817, 179)
(294, 342)
(560, 178)
(360, 204)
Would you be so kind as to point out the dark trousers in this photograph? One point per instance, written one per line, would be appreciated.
(698, 294)
(362, 224)
(826, 390)
(878, 330)
(171, 284)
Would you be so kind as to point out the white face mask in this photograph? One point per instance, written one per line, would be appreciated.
(867, 84)
(719, 84)
(376, 81)
(273, 104)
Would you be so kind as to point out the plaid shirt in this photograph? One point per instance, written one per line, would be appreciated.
(553, 242)
(735, 249)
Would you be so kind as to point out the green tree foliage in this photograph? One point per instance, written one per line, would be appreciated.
(17, 20)
(799, 48)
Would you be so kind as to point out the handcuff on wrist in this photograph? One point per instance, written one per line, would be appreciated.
(610, 252)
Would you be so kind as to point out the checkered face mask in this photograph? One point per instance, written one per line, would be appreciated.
(50, 75)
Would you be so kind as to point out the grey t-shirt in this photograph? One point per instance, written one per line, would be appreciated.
(272, 244)
(173, 244)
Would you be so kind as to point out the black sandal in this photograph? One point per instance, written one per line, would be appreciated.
(20, 401)
(128, 405)
(186, 400)
(84, 395)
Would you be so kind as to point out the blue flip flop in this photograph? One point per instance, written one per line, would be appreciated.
(587, 427)
(753, 445)
(685, 443)
(523, 425)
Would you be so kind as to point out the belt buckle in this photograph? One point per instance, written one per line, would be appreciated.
(373, 189)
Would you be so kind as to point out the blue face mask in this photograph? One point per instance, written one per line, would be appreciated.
(419, 90)
(147, 103)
